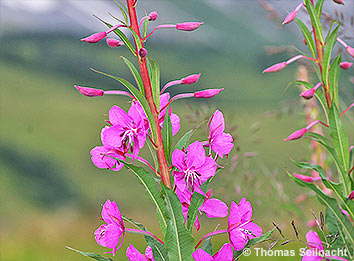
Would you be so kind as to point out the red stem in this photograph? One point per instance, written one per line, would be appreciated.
(164, 171)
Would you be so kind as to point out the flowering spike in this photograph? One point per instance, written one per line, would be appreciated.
(291, 16)
(307, 179)
(189, 26)
(345, 65)
(308, 94)
(190, 79)
(153, 16)
(94, 38)
(276, 67)
(113, 42)
(90, 92)
(206, 94)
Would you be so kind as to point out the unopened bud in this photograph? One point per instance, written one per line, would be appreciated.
(113, 42)
(206, 94)
(190, 79)
(94, 38)
(304, 41)
(296, 135)
(142, 52)
(188, 26)
(308, 94)
(291, 16)
(350, 50)
(351, 195)
(345, 65)
(90, 92)
(307, 179)
(153, 16)
(276, 67)
(339, 2)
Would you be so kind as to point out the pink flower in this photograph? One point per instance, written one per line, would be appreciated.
(345, 65)
(94, 38)
(306, 178)
(113, 42)
(241, 228)
(316, 251)
(112, 233)
(219, 141)
(134, 255)
(193, 168)
(190, 79)
(296, 135)
(351, 195)
(127, 131)
(206, 94)
(276, 67)
(224, 254)
(153, 16)
(291, 16)
(90, 92)
(212, 207)
(188, 26)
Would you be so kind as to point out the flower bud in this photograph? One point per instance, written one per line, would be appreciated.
(351, 195)
(94, 38)
(142, 52)
(308, 94)
(296, 135)
(339, 2)
(304, 41)
(307, 179)
(153, 16)
(188, 26)
(190, 79)
(350, 50)
(113, 42)
(206, 94)
(90, 92)
(276, 67)
(290, 17)
(345, 65)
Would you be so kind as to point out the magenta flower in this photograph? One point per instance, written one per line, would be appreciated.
(206, 94)
(127, 132)
(188, 26)
(219, 141)
(112, 233)
(212, 207)
(224, 254)
(291, 16)
(316, 251)
(90, 92)
(241, 228)
(134, 255)
(193, 168)
(113, 42)
(345, 65)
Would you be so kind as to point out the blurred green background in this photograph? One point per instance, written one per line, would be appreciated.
(51, 194)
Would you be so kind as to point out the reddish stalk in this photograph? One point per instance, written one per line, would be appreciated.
(164, 171)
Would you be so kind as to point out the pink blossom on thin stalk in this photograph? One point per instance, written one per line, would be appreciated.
(280, 66)
(345, 65)
(193, 78)
(308, 94)
(224, 254)
(113, 42)
(134, 255)
(90, 92)
(291, 16)
(307, 179)
(207, 94)
(299, 133)
(111, 234)
(96, 37)
(188, 26)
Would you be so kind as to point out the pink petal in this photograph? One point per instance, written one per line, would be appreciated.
(118, 116)
(112, 136)
(222, 144)
(214, 208)
(108, 235)
(310, 255)
(134, 255)
(178, 160)
(225, 253)
(175, 121)
(217, 123)
(201, 255)
(237, 239)
(101, 158)
(149, 254)
(313, 240)
(240, 213)
(195, 155)
(111, 214)
(254, 229)
(207, 170)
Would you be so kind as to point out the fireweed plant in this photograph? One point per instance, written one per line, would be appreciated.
(335, 194)
(178, 184)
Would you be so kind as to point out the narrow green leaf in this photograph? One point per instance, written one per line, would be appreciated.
(135, 73)
(332, 39)
(145, 26)
(308, 37)
(339, 137)
(178, 241)
(148, 181)
(121, 35)
(141, 99)
(167, 136)
(318, 8)
(92, 255)
(184, 141)
(136, 38)
(332, 226)
(315, 20)
(124, 12)
(334, 73)
(155, 81)
(196, 201)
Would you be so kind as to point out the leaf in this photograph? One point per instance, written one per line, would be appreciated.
(167, 136)
(332, 204)
(318, 8)
(332, 226)
(136, 74)
(124, 12)
(316, 23)
(121, 35)
(155, 81)
(158, 249)
(254, 241)
(148, 181)
(334, 73)
(136, 38)
(145, 26)
(178, 241)
(339, 137)
(184, 141)
(332, 39)
(308, 37)
(141, 99)
(207, 246)
(196, 202)
(92, 255)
